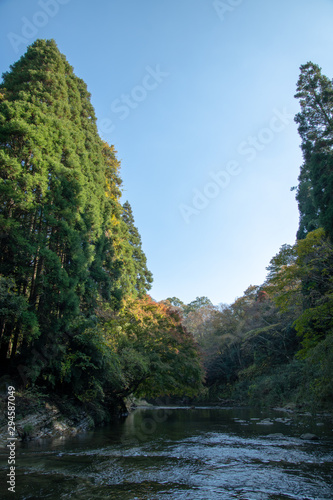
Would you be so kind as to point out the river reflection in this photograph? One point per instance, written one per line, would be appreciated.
(170, 453)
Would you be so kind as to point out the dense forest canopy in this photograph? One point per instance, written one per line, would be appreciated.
(75, 315)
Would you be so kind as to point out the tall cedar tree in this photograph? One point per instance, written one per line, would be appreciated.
(59, 191)
(315, 126)
(138, 273)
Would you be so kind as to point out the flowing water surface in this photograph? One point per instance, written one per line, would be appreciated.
(182, 453)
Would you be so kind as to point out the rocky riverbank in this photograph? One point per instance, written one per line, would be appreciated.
(49, 416)
(41, 420)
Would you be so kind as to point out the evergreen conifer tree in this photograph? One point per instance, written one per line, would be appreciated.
(315, 126)
(141, 278)
(54, 207)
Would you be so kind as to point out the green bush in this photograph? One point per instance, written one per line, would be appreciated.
(320, 372)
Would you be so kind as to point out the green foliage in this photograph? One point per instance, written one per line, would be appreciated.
(14, 317)
(197, 304)
(281, 386)
(320, 365)
(137, 273)
(52, 195)
(315, 323)
(303, 287)
(157, 356)
(141, 350)
(174, 301)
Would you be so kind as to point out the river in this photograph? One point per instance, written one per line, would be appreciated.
(182, 453)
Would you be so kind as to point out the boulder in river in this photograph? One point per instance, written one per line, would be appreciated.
(265, 421)
(309, 437)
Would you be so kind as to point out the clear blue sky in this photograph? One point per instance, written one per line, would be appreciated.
(197, 97)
